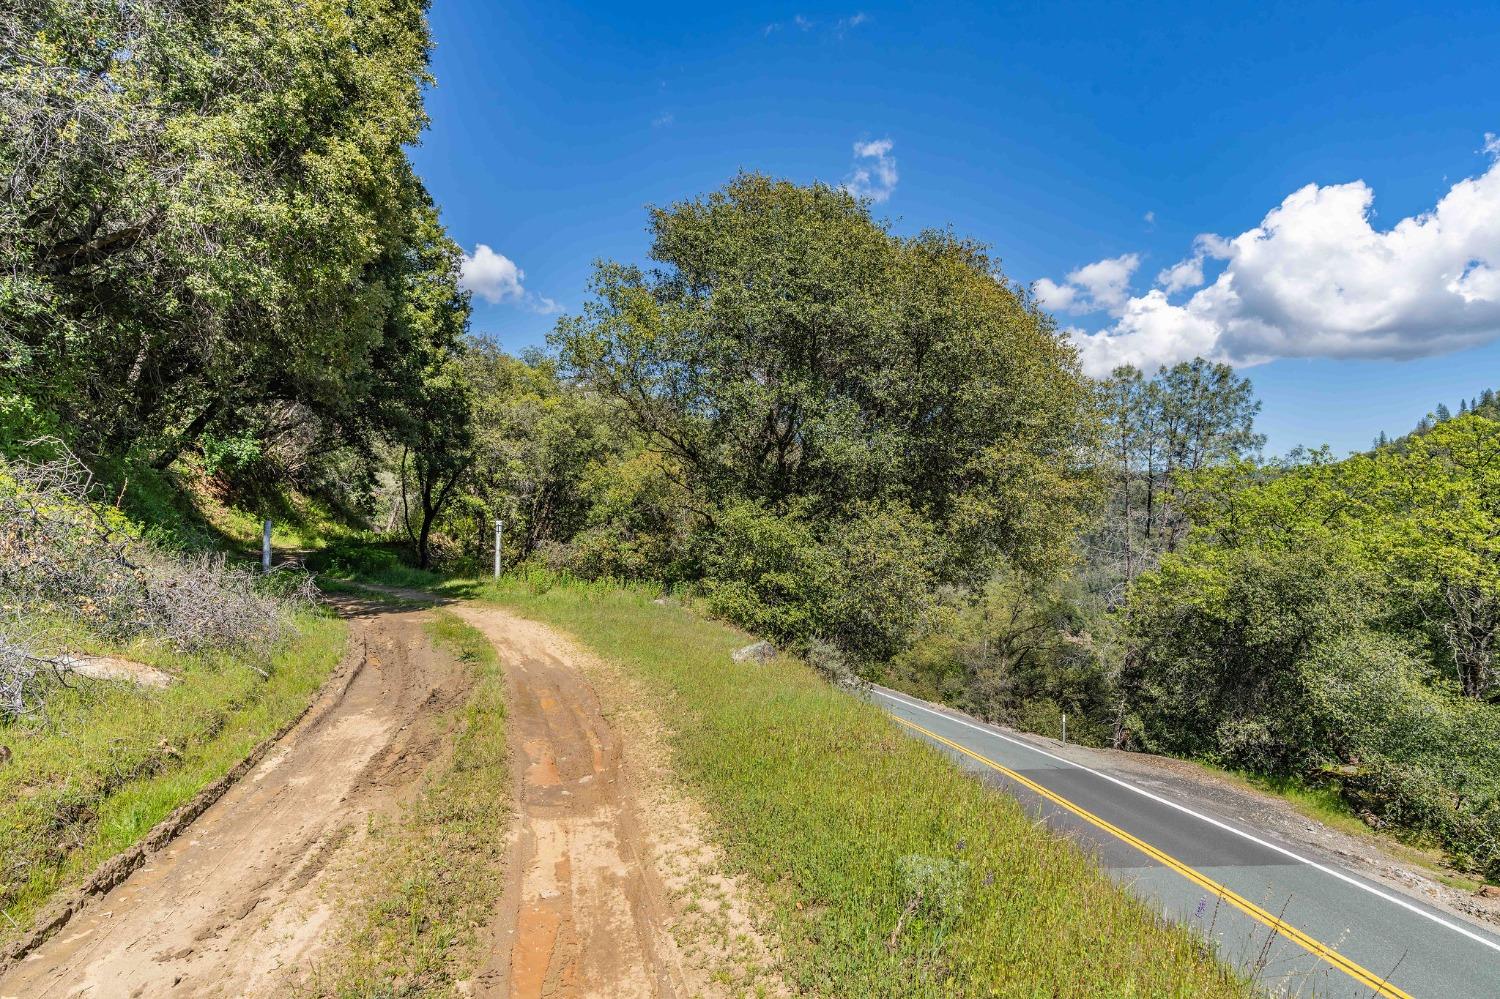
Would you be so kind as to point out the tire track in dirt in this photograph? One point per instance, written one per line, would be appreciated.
(242, 899)
(611, 871)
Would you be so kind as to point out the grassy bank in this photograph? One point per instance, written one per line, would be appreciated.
(432, 874)
(889, 872)
(108, 760)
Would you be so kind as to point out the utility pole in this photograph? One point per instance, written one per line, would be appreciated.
(265, 547)
(500, 543)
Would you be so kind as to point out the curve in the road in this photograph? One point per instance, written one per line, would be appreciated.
(1359, 978)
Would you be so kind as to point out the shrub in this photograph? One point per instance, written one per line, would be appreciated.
(64, 556)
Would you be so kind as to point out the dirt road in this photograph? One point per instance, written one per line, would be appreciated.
(614, 887)
(239, 901)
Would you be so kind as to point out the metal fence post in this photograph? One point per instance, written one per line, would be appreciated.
(265, 547)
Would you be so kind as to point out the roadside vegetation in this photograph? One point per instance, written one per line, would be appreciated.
(428, 884)
(890, 872)
(208, 661)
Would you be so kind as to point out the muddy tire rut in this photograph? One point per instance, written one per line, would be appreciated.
(584, 913)
(241, 899)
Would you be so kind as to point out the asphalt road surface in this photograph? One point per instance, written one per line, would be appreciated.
(1295, 921)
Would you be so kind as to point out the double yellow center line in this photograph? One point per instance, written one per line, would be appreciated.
(1376, 983)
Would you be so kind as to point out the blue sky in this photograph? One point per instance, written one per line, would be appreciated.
(1062, 134)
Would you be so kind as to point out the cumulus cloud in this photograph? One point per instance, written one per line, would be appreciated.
(1103, 286)
(874, 173)
(495, 278)
(1316, 279)
(1182, 275)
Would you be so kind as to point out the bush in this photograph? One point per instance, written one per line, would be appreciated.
(63, 556)
(1280, 662)
(865, 585)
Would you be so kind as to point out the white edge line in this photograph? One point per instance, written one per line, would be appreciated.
(901, 698)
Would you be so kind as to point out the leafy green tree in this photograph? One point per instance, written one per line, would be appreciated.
(1187, 418)
(200, 197)
(537, 443)
(791, 353)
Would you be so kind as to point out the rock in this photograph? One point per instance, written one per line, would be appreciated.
(114, 668)
(662, 601)
(1489, 891)
(4, 755)
(760, 652)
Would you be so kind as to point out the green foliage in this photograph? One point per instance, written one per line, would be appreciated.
(1339, 614)
(792, 352)
(853, 418)
(1016, 652)
(212, 233)
(866, 587)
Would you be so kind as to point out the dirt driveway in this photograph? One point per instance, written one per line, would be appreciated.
(614, 887)
(241, 898)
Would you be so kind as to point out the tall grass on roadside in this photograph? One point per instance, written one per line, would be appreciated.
(108, 761)
(435, 872)
(890, 872)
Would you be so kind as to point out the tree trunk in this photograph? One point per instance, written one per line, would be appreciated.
(188, 436)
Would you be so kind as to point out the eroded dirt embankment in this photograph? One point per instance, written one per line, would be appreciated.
(240, 901)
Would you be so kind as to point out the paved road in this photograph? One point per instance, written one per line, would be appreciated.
(1298, 922)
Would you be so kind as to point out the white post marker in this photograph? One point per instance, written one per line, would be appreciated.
(1065, 727)
(499, 543)
(265, 548)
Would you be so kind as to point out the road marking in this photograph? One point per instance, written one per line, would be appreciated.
(1365, 977)
(1330, 871)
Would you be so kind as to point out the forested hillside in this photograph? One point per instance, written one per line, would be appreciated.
(872, 449)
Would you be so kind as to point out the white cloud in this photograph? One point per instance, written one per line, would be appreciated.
(1316, 279)
(495, 278)
(1492, 143)
(1182, 275)
(663, 120)
(874, 173)
(1149, 218)
(1103, 285)
(839, 27)
(1054, 296)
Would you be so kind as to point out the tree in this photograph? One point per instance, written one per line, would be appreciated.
(539, 445)
(420, 399)
(197, 209)
(1188, 418)
(790, 352)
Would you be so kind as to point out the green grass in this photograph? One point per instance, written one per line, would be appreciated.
(110, 761)
(845, 823)
(434, 873)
